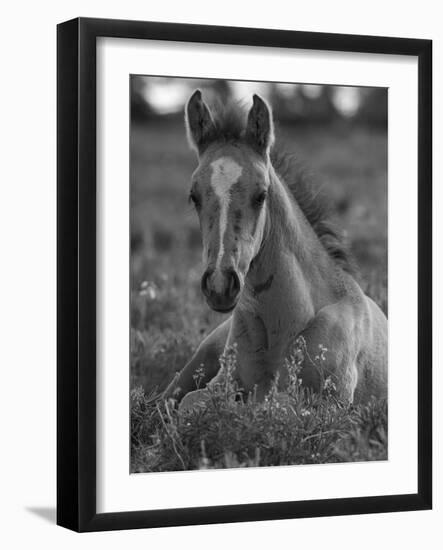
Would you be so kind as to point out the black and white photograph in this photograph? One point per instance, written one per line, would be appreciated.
(258, 274)
(221, 275)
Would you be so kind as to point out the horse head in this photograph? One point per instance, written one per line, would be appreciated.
(229, 191)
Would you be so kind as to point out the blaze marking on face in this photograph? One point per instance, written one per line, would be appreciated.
(225, 173)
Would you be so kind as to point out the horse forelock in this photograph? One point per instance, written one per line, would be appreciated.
(229, 121)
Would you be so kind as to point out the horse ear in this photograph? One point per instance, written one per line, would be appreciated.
(260, 127)
(199, 123)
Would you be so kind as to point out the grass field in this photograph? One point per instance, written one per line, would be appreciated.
(169, 317)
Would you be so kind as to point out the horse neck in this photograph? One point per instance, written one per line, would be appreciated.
(292, 275)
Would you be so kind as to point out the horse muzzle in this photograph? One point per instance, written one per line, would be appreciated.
(221, 289)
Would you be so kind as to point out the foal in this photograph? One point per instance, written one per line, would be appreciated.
(274, 262)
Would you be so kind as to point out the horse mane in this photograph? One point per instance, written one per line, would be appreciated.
(229, 123)
(313, 203)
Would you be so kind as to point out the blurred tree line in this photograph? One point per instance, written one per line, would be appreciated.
(155, 97)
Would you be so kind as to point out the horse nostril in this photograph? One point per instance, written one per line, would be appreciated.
(204, 282)
(233, 284)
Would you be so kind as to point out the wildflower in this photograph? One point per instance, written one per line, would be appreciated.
(198, 375)
(329, 386)
(149, 290)
(321, 357)
(293, 364)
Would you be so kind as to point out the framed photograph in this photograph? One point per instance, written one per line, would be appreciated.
(244, 274)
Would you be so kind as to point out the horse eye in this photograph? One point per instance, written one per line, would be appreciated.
(195, 199)
(259, 199)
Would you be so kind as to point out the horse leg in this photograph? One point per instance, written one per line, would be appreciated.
(205, 360)
(200, 397)
(338, 328)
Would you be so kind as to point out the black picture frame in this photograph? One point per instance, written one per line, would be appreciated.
(76, 278)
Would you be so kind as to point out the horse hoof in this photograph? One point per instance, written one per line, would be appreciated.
(194, 399)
